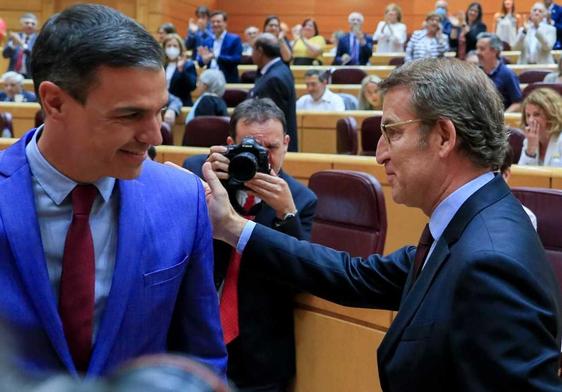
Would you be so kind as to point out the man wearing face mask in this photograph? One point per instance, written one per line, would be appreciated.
(181, 76)
(447, 27)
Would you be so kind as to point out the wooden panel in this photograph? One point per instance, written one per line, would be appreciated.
(556, 181)
(534, 176)
(23, 115)
(335, 355)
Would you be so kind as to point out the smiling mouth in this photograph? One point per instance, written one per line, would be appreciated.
(135, 153)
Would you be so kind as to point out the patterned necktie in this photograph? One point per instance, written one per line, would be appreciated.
(422, 250)
(76, 299)
(229, 297)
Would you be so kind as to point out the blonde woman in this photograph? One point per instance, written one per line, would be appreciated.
(391, 32)
(542, 122)
(369, 97)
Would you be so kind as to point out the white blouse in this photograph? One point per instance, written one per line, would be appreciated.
(390, 36)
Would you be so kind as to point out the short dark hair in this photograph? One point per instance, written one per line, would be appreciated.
(202, 10)
(224, 14)
(268, 44)
(73, 44)
(323, 76)
(269, 19)
(256, 110)
(168, 28)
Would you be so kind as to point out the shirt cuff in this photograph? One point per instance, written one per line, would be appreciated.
(245, 236)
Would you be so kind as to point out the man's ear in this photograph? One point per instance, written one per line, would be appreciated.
(447, 134)
(52, 99)
(286, 140)
(229, 140)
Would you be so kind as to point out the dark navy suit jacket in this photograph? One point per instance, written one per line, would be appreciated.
(11, 53)
(344, 47)
(484, 314)
(27, 97)
(264, 353)
(279, 85)
(162, 296)
(183, 83)
(229, 58)
(556, 16)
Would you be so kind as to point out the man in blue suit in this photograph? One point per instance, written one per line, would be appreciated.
(555, 12)
(355, 47)
(223, 51)
(106, 256)
(478, 303)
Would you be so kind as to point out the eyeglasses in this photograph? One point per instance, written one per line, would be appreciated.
(388, 135)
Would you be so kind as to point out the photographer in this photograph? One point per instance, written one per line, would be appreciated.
(258, 322)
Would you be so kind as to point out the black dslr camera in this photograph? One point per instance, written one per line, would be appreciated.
(246, 159)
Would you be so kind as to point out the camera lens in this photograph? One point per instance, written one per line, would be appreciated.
(243, 166)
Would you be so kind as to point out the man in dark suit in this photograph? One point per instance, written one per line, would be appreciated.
(19, 46)
(355, 47)
(223, 51)
(262, 356)
(106, 255)
(478, 307)
(275, 81)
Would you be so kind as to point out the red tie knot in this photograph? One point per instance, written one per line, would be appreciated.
(82, 199)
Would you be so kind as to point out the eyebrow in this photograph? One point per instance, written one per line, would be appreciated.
(129, 109)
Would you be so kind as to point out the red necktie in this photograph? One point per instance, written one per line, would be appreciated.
(229, 298)
(19, 57)
(422, 250)
(76, 299)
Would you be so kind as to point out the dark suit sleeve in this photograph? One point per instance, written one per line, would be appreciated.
(516, 346)
(366, 51)
(341, 49)
(336, 276)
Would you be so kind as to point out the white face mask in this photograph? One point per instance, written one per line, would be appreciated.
(172, 52)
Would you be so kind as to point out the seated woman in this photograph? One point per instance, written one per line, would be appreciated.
(308, 45)
(272, 25)
(542, 122)
(211, 87)
(429, 41)
(369, 97)
(391, 32)
(555, 77)
(180, 72)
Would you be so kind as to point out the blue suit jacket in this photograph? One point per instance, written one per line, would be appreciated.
(556, 16)
(162, 296)
(483, 315)
(365, 51)
(27, 97)
(229, 58)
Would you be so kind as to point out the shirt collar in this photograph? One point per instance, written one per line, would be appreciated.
(55, 184)
(266, 67)
(447, 209)
(326, 97)
(221, 37)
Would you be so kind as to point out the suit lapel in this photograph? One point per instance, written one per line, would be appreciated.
(22, 229)
(128, 259)
(490, 193)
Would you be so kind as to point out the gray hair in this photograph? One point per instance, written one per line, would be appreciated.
(495, 41)
(462, 93)
(214, 80)
(256, 110)
(13, 76)
(355, 13)
(363, 104)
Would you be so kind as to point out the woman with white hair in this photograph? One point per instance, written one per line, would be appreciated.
(13, 89)
(211, 85)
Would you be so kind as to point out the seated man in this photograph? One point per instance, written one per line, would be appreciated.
(260, 341)
(488, 50)
(319, 96)
(355, 47)
(13, 89)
